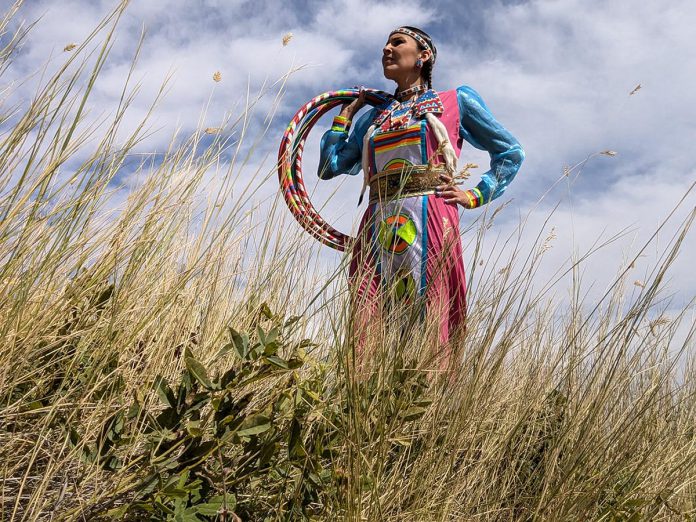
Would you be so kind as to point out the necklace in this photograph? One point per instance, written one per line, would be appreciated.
(418, 89)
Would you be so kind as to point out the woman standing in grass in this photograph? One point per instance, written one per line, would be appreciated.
(408, 245)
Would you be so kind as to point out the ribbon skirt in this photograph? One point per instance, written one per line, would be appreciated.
(408, 251)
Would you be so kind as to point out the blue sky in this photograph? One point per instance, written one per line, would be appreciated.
(557, 74)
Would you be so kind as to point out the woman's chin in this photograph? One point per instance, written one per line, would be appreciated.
(388, 72)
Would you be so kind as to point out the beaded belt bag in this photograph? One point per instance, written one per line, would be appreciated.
(417, 180)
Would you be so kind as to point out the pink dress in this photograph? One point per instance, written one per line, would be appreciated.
(411, 245)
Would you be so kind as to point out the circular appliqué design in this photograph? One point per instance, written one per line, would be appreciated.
(397, 233)
(405, 288)
(397, 164)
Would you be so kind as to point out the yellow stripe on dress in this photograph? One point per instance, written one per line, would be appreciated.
(401, 143)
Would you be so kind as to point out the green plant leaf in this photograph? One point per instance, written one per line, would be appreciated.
(268, 451)
(277, 361)
(198, 401)
(314, 479)
(197, 370)
(89, 455)
(160, 505)
(187, 515)
(224, 350)
(241, 342)
(255, 351)
(115, 427)
(228, 500)
(291, 320)
(295, 363)
(227, 378)
(283, 403)
(295, 448)
(305, 343)
(148, 485)
(423, 402)
(272, 335)
(254, 426)
(134, 410)
(74, 436)
(312, 395)
(209, 509)
(271, 348)
(34, 405)
(168, 419)
(117, 513)
(266, 310)
(261, 335)
(113, 464)
(194, 429)
(413, 413)
(202, 450)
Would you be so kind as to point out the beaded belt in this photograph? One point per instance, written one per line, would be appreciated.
(417, 180)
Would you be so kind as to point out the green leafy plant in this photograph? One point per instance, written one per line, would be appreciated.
(248, 440)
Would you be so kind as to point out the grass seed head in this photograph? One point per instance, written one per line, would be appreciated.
(286, 38)
(465, 173)
(217, 76)
(656, 323)
(549, 239)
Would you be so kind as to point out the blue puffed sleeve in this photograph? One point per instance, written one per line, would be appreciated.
(341, 154)
(478, 126)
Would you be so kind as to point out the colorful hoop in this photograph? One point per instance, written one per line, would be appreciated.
(290, 162)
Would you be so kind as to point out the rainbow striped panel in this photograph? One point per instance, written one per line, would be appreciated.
(387, 141)
(397, 148)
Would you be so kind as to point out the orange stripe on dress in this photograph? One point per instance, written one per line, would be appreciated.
(397, 164)
(401, 143)
(396, 136)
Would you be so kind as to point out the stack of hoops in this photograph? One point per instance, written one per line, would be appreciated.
(290, 161)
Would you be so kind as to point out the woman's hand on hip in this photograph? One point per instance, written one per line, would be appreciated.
(348, 110)
(452, 194)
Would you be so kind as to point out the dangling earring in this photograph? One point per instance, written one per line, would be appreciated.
(419, 63)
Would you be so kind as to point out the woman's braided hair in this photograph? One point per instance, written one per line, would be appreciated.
(427, 70)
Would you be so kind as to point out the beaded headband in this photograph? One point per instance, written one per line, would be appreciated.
(418, 38)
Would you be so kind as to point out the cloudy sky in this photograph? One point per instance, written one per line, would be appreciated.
(557, 74)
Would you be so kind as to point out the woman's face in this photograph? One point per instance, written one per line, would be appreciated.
(399, 57)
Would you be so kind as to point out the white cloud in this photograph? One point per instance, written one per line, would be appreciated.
(557, 74)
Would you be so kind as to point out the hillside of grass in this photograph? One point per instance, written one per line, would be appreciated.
(173, 349)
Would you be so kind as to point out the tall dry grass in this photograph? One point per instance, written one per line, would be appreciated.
(582, 412)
